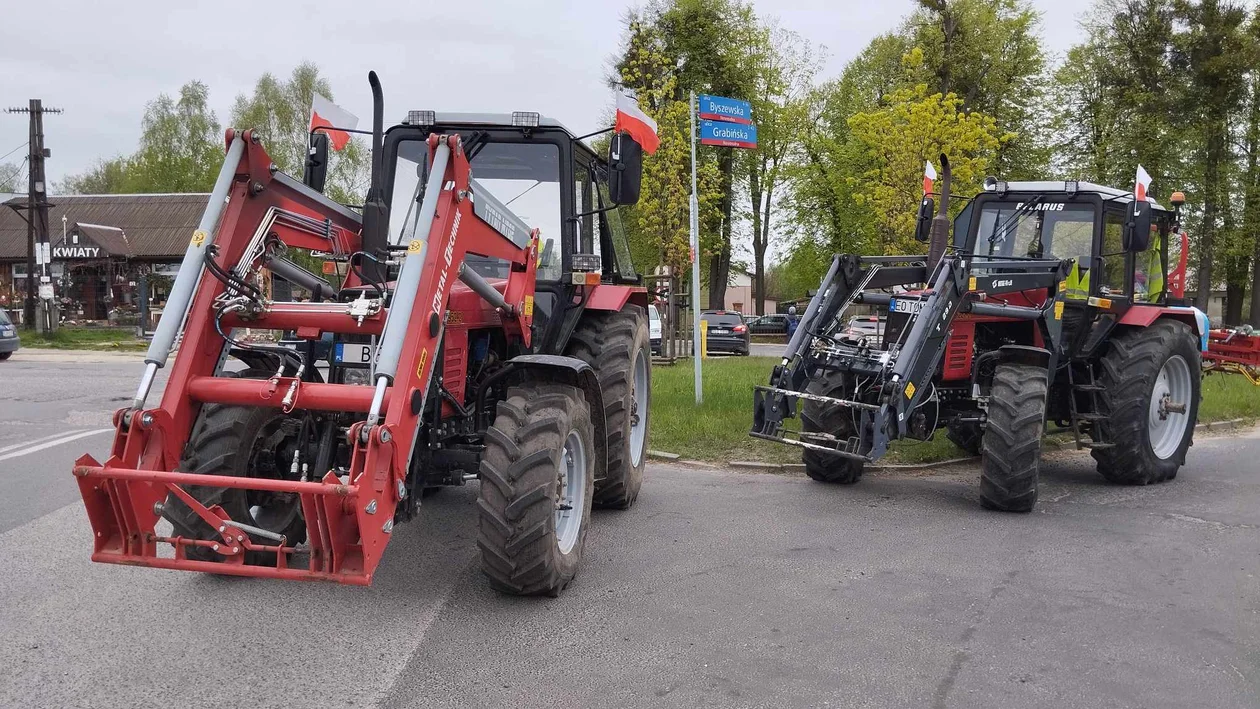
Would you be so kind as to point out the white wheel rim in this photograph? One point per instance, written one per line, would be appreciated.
(1173, 388)
(638, 409)
(571, 478)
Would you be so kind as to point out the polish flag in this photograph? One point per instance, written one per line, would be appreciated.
(631, 119)
(326, 114)
(929, 178)
(1141, 184)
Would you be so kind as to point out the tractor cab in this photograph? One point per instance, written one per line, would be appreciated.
(1118, 249)
(528, 172)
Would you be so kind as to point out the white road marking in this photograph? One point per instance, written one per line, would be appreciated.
(53, 443)
(15, 446)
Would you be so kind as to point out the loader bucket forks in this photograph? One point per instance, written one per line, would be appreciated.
(349, 517)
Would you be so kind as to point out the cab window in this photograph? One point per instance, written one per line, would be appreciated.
(1114, 281)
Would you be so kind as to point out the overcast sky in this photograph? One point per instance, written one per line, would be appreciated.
(102, 61)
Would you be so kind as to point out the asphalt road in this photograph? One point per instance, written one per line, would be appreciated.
(717, 589)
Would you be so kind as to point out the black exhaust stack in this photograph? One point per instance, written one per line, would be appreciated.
(375, 209)
(939, 238)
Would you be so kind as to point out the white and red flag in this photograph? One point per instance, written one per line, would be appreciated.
(929, 178)
(1141, 184)
(631, 119)
(328, 115)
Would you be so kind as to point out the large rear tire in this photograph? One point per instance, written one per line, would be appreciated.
(1011, 459)
(246, 442)
(1145, 372)
(616, 346)
(537, 484)
(818, 417)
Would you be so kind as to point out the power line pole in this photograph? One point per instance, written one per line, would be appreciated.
(37, 219)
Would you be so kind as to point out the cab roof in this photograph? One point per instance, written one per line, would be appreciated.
(1110, 194)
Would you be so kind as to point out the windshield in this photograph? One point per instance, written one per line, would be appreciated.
(524, 177)
(1045, 230)
(4, 318)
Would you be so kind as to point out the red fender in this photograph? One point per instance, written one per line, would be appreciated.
(614, 298)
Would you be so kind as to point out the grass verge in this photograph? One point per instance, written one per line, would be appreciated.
(85, 338)
(718, 429)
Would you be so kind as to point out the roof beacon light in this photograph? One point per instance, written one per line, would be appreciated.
(421, 118)
(525, 119)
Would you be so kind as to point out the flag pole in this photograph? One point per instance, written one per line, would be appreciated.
(695, 258)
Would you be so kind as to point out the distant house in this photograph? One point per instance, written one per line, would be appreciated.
(110, 243)
(739, 293)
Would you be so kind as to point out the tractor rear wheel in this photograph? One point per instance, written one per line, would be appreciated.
(819, 417)
(537, 485)
(616, 346)
(1011, 459)
(1150, 401)
(245, 442)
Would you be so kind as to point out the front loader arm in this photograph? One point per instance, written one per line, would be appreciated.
(349, 517)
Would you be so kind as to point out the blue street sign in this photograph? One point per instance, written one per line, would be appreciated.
(728, 135)
(729, 110)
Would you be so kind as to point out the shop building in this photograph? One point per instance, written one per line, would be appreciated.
(109, 253)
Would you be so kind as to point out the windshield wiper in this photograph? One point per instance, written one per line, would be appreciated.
(1012, 222)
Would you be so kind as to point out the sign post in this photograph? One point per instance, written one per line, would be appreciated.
(724, 123)
(695, 258)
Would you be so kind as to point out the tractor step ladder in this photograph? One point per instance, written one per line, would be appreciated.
(1090, 388)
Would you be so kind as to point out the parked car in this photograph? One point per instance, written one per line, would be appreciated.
(865, 327)
(9, 341)
(773, 324)
(726, 331)
(654, 329)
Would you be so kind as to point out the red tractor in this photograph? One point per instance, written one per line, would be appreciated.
(462, 344)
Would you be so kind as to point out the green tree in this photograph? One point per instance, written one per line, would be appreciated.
(279, 110)
(779, 102)
(10, 177)
(1251, 173)
(898, 140)
(180, 150)
(1212, 50)
(989, 54)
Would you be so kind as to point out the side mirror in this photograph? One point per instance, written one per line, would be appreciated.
(316, 171)
(625, 169)
(1137, 228)
(923, 226)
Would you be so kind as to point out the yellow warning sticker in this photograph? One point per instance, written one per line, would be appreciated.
(1062, 285)
(971, 285)
(424, 357)
(415, 247)
(199, 238)
(529, 306)
(910, 390)
(1058, 310)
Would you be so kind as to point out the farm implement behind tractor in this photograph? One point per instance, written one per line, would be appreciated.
(465, 345)
(1051, 302)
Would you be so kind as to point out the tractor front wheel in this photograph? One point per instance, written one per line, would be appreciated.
(1150, 401)
(1011, 458)
(243, 442)
(820, 417)
(537, 485)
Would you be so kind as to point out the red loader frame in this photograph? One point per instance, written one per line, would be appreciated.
(348, 522)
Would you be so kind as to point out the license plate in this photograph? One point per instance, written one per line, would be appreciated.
(912, 307)
(352, 354)
(719, 332)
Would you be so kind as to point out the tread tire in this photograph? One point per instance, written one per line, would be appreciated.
(608, 342)
(1129, 370)
(1011, 461)
(220, 445)
(517, 501)
(817, 417)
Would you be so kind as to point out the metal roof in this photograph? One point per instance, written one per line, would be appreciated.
(157, 226)
(492, 119)
(1051, 186)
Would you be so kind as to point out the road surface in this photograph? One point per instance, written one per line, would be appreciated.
(718, 589)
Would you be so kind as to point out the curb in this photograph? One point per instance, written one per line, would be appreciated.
(663, 455)
(756, 466)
